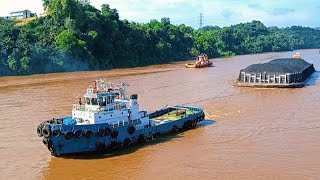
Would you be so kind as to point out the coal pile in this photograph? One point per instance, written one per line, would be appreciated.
(278, 72)
(285, 65)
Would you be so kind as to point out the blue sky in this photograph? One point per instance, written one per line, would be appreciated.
(280, 13)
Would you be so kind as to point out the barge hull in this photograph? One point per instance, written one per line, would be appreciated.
(119, 135)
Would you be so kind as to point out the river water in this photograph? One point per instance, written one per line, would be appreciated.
(249, 133)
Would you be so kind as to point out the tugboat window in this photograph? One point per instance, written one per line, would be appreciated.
(108, 100)
(94, 101)
(88, 101)
(104, 103)
(100, 101)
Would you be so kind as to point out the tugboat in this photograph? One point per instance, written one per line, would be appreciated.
(106, 118)
(201, 61)
(297, 56)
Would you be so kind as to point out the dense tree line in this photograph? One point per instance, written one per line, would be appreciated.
(76, 36)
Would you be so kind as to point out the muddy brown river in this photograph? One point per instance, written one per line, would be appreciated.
(249, 133)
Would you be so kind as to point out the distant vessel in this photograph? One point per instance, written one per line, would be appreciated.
(297, 56)
(201, 61)
(109, 118)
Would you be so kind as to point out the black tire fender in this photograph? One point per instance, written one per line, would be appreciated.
(114, 134)
(39, 130)
(131, 129)
(141, 138)
(126, 142)
(56, 133)
(107, 132)
(77, 133)
(101, 132)
(88, 133)
(68, 135)
(175, 128)
(45, 141)
(46, 131)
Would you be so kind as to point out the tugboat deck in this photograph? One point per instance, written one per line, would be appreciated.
(173, 115)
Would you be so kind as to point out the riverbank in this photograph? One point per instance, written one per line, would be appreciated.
(101, 41)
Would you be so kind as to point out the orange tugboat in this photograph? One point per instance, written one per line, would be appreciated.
(201, 61)
(297, 56)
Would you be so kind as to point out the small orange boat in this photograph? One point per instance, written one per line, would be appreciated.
(201, 61)
(297, 55)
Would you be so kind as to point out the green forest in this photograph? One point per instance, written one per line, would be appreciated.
(76, 36)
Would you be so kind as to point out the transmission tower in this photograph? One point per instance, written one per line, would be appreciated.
(200, 21)
(85, 1)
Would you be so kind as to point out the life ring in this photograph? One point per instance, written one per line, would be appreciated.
(100, 132)
(68, 135)
(39, 130)
(107, 131)
(114, 134)
(88, 133)
(46, 131)
(131, 129)
(56, 133)
(77, 133)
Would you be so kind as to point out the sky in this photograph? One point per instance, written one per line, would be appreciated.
(281, 13)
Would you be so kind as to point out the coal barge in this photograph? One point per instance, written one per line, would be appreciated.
(278, 73)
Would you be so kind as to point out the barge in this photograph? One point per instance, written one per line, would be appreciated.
(106, 118)
(278, 73)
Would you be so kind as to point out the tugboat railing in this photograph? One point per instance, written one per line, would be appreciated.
(124, 123)
(79, 107)
(98, 109)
